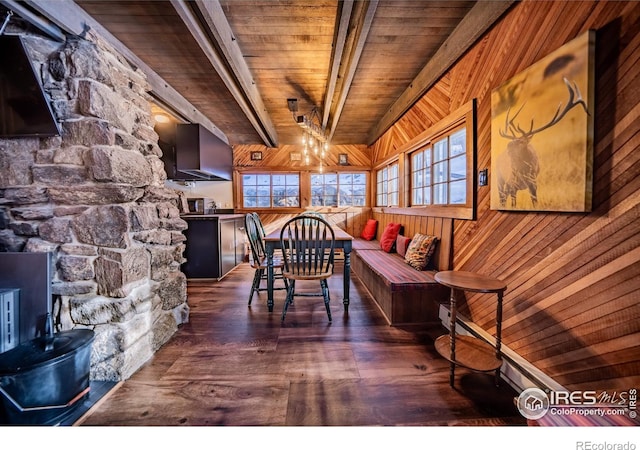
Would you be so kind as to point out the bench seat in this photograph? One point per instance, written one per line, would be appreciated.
(395, 273)
(403, 294)
(362, 244)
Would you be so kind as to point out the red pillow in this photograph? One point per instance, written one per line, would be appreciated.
(389, 235)
(369, 232)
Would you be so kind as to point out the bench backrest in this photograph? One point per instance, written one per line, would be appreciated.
(435, 226)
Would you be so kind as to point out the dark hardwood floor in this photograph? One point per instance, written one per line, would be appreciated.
(238, 365)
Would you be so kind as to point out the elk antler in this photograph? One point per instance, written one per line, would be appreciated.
(575, 99)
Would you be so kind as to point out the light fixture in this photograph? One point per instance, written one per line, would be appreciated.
(314, 139)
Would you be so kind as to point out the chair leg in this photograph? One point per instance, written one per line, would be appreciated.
(256, 284)
(327, 298)
(286, 285)
(290, 291)
(285, 280)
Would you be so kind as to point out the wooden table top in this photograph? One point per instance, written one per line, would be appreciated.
(340, 234)
(470, 281)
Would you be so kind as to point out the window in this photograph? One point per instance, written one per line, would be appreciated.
(387, 185)
(439, 171)
(271, 190)
(433, 173)
(338, 189)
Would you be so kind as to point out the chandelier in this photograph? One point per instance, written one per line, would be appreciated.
(314, 139)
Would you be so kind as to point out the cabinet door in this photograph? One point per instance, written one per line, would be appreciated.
(201, 250)
(241, 239)
(227, 245)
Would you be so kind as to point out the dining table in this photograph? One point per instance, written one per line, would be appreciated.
(343, 240)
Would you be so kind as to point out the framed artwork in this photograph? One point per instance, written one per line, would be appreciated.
(256, 156)
(542, 133)
(343, 159)
(295, 156)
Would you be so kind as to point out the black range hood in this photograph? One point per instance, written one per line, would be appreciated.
(201, 154)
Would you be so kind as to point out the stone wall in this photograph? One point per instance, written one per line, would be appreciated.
(95, 197)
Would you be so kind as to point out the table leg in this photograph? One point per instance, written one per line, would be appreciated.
(346, 278)
(452, 336)
(269, 251)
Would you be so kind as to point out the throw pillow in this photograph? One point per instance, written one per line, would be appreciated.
(389, 235)
(369, 231)
(402, 243)
(420, 250)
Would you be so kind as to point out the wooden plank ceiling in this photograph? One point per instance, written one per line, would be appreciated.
(236, 62)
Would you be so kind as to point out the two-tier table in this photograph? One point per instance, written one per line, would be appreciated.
(468, 351)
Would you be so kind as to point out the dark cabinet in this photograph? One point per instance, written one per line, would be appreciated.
(214, 246)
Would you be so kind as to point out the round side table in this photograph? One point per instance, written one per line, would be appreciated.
(467, 351)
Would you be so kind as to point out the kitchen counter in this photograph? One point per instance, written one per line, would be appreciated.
(212, 216)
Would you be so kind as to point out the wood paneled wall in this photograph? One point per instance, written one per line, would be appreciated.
(274, 159)
(572, 307)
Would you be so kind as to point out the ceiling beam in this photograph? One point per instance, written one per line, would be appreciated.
(354, 26)
(342, 27)
(34, 19)
(230, 65)
(477, 21)
(74, 20)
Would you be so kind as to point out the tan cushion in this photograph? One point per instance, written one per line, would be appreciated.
(420, 250)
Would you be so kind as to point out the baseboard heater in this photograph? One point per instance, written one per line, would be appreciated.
(516, 371)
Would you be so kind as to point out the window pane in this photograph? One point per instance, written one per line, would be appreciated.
(416, 198)
(278, 180)
(345, 178)
(360, 178)
(358, 200)
(293, 179)
(264, 180)
(249, 179)
(393, 171)
(458, 142)
(331, 200)
(417, 161)
(263, 202)
(440, 150)
(440, 194)
(427, 196)
(440, 172)
(458, 192)
(458, 168)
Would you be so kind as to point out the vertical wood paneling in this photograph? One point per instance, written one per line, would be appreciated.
(572, 307)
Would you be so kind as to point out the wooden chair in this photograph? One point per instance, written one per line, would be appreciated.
(258, 258)
(309, 243)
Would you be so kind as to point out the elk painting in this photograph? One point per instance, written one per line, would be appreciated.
(542, 133)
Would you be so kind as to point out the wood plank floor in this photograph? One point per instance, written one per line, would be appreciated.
(237, 365)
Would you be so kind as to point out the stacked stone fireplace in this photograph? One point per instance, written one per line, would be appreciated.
(95, 198)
